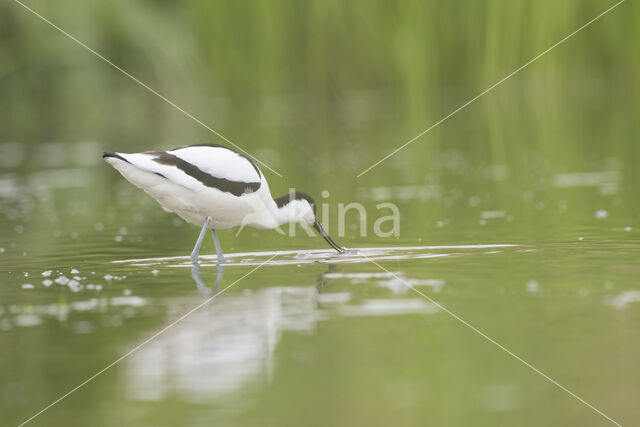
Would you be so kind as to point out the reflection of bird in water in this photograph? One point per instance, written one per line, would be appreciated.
(202, 286)
(214, 187)
(321, 282)
(222, 348)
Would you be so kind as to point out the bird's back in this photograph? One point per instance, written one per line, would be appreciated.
(197, 181)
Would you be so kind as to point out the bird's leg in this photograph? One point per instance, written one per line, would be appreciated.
(221, 257)
(196, 249)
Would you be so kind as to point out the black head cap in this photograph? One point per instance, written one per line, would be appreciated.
(295, 195)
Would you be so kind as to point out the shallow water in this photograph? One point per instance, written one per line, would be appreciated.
(311, 337)
(397, 330)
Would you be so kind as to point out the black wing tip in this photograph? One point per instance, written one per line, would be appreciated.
(106, 154)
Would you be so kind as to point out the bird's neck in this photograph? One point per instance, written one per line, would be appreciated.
(282, 214)
(292, 211)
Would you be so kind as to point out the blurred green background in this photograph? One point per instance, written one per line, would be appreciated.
(320, 90)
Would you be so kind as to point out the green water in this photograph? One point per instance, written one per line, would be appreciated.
(519, 216)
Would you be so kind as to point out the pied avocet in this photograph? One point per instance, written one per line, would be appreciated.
(212, 186)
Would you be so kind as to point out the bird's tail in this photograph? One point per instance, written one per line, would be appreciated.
(109, 154)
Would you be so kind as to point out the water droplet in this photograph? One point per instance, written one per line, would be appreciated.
(62, 280)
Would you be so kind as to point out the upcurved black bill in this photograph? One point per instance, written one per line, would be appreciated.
(326, 236)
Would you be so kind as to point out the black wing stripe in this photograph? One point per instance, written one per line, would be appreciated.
(237, 188)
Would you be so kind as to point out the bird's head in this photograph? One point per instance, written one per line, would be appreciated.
(301, 208)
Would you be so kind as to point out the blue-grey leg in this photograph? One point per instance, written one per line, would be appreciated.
(221, 257)
(196, 249)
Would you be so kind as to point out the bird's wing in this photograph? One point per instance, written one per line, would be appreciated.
(220, 161)
(187, 171)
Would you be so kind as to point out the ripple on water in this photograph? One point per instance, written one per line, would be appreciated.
(320, 256)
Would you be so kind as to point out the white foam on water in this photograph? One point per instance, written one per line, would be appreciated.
(62, 280)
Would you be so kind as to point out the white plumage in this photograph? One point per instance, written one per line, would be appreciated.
(220, 161)
(214, 186)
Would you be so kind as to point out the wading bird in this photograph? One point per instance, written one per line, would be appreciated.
(214, 187)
